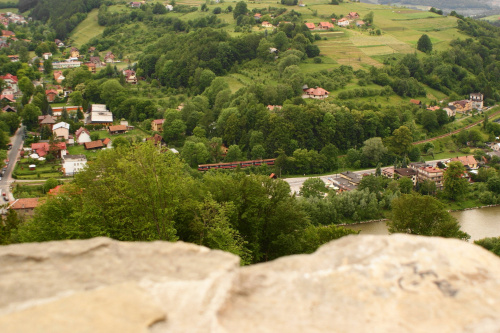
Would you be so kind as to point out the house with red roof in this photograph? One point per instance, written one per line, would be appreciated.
(51, 95)
(11, 86)
(310, 25)
(157, 125)
(24, 207)
(43, 148)
(353, 16)
(325, 25)
(468, 161)
(316, 93)
(93, 145)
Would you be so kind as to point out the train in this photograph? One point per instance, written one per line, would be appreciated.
(234, 165)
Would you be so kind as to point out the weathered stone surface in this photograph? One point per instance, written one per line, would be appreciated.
(395, 283)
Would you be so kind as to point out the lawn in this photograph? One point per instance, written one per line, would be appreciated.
(87, 29)
(43, 169)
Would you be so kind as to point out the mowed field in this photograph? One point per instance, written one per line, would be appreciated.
(87, 29)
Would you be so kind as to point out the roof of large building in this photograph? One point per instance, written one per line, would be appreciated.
(101, 117)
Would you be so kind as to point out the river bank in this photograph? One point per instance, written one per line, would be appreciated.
(479, 223)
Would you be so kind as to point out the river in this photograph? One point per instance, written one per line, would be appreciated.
(478, 223)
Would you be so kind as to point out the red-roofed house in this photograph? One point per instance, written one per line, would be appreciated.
(316, 93)
(353, 15)
(24, 207)
(325, 25)
(51, 95)
(58, 76)
(468, 161)
(257, 16)
(10, 83)
(7, 33)
(432, 174)
(130, 76)
(107, 142)
(93, 145)
(117, 129)
(310, 26)
(157, 125)
(416, 102)
(43, 148)
(266, 24)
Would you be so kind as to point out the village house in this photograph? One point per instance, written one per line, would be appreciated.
(46, 55)
(43, 148)
(117, 129)
(8, 34)
(257, 16)
(51, 95)
(58, 76)
(266, 24)
(360, 23)
(106, 142)
(433, 108)
(157, 140)
(46, 120)
(310, 26)
(82, 135)
(61, 130)
(72, 164)
(93, 145)
(316, 93)
(476, 100)
(451, 111)
(469, 162)
(169, 7)
(406, 172)
(24, 207)
(74, 53)
(431, 174)
(130, 76)
(109, 58)
(13, 58)
(10, 82)
(343, 22)
(272, 107)
(416, 102)
(91, 66)
(157, 125)
(135, 4)
(9, 108)
(462, 106)
(59, 43)
(99, 115)
(7, 98)
(388, 172)
(352, 16)
(325, 25)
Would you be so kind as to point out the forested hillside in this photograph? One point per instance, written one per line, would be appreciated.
(62, 15)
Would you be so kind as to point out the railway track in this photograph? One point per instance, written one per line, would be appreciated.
(456, 131)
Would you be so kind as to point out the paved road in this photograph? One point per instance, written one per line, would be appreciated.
(296, 183)
(12, 155)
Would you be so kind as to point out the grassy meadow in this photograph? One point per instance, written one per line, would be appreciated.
(400, 28)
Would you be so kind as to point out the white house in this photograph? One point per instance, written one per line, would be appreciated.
(73, 164)
(82, 135)
(61, 130)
